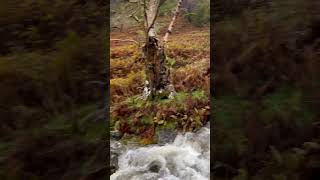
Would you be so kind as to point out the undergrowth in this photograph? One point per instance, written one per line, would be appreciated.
(187, 112)
(139, 120)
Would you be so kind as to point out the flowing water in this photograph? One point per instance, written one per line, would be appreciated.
(187, 158)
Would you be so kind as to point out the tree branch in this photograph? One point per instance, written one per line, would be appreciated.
(135, 18)
(169, 31)
(125, 40)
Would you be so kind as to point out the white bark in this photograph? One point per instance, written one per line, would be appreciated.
(169, 31)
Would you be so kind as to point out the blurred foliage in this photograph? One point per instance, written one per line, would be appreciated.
(267, 91)
(125, 15)
(167, 8)
(195, 12)
(51, 55)
(200, 15)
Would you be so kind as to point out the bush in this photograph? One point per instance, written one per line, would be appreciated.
(200, 15)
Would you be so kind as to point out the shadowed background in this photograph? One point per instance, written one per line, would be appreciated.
(266, 82)
(52, 75)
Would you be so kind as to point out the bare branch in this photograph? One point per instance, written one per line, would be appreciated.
(132, 15)
(135, 18)
(169, 31)
(125, 40)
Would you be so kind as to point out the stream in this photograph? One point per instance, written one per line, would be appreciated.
(186, 158)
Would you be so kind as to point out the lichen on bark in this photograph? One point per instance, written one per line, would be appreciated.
(157, 72)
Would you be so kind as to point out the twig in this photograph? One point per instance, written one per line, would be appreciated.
(125, 40)
(135, 18)
(169, 31)
(134, 12)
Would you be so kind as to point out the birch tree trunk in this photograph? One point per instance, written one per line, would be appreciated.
(157, 71)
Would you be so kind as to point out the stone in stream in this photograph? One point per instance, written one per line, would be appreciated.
(166, 135)
(115, 135)
(116, 149)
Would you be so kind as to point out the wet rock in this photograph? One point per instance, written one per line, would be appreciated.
(116, 149)
(154, 168)
(165, 136)
(115, 135)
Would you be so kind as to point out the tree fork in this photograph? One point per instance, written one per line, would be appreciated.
(157, 72)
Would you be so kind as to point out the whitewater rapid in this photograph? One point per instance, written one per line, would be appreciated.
(187, 158)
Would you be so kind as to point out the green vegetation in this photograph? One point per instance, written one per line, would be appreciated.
(126, 15)
(195, 12)
(51, 111)
(134, 116)
(200, 15)
(266, 95)
(138, 120)
(167, 8)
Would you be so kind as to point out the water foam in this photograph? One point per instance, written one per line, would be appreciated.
(187, 158)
